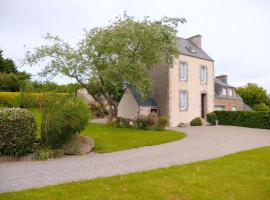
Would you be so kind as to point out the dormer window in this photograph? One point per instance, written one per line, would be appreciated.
(224, 92)
(230, 92)
(191, 50)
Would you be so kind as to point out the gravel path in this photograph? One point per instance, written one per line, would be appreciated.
(201, 143)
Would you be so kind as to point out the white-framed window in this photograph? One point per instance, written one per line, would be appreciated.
(230, 92)
(183, 100)
(234, 108)
(218, 107)
(203, 74)
(182, 71)
(224, 92)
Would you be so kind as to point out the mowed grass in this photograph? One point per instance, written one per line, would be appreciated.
(240, 176)
(109, 139)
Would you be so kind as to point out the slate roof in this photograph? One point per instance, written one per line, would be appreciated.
(185, 44)
(143, 102)
(218, 87)
(246, 107)
(219, 82)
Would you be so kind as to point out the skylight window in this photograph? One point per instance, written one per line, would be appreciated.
(191, 50)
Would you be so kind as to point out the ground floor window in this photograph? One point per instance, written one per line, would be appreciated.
(153, 110)
(219, 107)
(234, 108)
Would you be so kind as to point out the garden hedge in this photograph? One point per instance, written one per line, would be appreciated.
(250, 119)
(17, 131)
(26, 100)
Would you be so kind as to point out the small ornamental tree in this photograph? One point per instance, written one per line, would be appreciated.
(110, 58)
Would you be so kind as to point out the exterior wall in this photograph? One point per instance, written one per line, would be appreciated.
(193, 87)
(228, 103)
(159, 75)
(128, 107)
(146, 110)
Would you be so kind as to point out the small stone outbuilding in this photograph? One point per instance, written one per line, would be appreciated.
(132, 105)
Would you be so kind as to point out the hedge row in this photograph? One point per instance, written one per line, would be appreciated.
(250, 119)
(26, 100)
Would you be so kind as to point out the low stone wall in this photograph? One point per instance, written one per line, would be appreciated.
(15, 159)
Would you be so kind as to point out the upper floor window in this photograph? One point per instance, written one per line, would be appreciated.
(203, 74)
(224, 92)
(182, 71)
(230, 92)
(183, 100)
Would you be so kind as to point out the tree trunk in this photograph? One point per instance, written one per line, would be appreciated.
(112, 113)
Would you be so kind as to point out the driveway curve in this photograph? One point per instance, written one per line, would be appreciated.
(201, 143)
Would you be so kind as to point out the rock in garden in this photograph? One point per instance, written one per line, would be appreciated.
(79, 145)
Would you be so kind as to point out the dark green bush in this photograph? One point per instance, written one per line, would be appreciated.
(17, 131)
(152, 119)
(250, 119)
(196, 122)
(162, 123)
(61, 120)
(211, 118)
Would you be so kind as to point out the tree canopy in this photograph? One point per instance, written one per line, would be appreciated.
(7, 65)
(110, 58)
(252, 95)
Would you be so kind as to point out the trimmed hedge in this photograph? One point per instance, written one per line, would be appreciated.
(250, 119)
(26, 100)
(17, 131)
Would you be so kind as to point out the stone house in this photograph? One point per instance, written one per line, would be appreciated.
(226, 97)
(182, 91)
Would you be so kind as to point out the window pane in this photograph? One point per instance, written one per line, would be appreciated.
(224, 92)
(230, 92)
(183, 71)
(183, 100)
(234, 108)
(203, 74)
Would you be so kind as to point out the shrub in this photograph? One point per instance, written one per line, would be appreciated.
(142, 123)
(196, 122)
(61, 120)
(152, 119)
(120, 122)
(261, 107)
(211, 118)
(162, 122)
(250, 119)
(17, 131)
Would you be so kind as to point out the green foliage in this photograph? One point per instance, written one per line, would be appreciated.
(211, 118)
(111, 57)
(120, 122)
(61, 119)
(26, 99)
(253, 94)
(142, 123)
(196, 122)
(46, 153)
(152, 119)
(261, 107)
(17, 131)
(10, 78)
(250, 119)
(162, 123)
(50, 87)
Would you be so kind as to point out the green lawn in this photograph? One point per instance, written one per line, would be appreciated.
(240, 176)
(108, 139)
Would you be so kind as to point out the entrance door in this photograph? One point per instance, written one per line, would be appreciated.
(203, 105)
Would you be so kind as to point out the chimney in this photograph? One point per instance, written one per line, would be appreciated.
(197, 40)
(223, 78)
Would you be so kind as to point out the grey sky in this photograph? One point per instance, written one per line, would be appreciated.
(236, 33)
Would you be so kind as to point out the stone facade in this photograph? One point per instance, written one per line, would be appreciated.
(229, 103)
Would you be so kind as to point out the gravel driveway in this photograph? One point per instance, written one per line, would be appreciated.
(201, 143)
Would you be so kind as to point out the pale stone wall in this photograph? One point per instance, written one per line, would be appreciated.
(193, 87)
(128, 107)
(146, 110)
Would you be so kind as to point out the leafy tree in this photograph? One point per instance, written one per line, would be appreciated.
(261, 107)
(10, 77)
(110, 58)
(7, 65)
(252, 94)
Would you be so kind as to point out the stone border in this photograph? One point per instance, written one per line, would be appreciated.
(7, 158)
